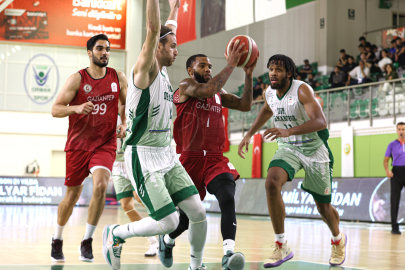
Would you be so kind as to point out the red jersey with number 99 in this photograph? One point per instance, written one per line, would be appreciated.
(98, 128)
(199, 124)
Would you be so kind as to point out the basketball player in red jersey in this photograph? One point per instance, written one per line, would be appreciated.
(200, 137)
(90, 99)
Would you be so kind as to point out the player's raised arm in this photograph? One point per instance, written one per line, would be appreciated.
(243, 103)
(121, 105)
(61, 109)
(264, 115)
(172, 20)
(190, 88)
(146, 66)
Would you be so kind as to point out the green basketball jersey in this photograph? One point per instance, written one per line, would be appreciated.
(149, 112)
(289, 112)
(120, 151)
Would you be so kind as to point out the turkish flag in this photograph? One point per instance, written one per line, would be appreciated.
(257, 156)
(225, 112)
(186, 22)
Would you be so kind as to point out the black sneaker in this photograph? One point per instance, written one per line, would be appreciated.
(397, 231)
(86, 251)
(56, 253)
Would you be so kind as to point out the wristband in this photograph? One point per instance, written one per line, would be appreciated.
(172, 22)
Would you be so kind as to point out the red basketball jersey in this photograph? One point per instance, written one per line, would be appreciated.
(199, 125)
(87, 132)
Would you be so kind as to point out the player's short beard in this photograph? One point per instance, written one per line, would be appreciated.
(280, 84)
(98, 62)
(199, 78)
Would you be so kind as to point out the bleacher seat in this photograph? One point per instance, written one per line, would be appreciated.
(354, 109)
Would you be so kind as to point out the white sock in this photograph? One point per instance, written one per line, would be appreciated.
(152, 239)
(58, 232)
(336, 238)
(281, 238)
(228, 244)
(196, 259)
(168, 240)
(89, 231)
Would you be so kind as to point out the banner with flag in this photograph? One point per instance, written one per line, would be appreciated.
(257, 156)
(186, 22)
(212, 17)
(225, 113)
(238, 13)
(265, 9)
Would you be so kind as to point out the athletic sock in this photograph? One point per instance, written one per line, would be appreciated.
(58, 232)
(337, 238)
(89, 231)
(152, 239)
(196, 259)
(168, 240)
(280, 238)
(228, 244)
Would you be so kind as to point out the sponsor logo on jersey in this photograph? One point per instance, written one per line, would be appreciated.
(327, 190)
(87, 88)
(217, 99)
(290, 100)
(114, 87)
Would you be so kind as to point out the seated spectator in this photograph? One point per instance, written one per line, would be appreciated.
(377, 51)
(359, 75)
(343, 57)
(258, 83)
(350, 65)
(400, 53)
(392, 50)
(311, 81)
(384, 60)
(391, 74)
(370, 55)
(257, 89)
(374, 68)
(305, 70)
(299, 78)
(364, 42)
(337, 78)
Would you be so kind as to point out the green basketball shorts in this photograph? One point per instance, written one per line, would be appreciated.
(122, 185)
(318, 170)
(159, 178)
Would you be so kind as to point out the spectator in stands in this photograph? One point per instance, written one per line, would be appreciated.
(374, 68)
(299, 78)
(257, 89)
(384, 60)
(364, 42)
(392, 50)
(343, 57)
(311, 81)
(400, 53)
(370, 55)
(305, 70)
(377, 51)
(337, 78)
(359, 75)
(258, 83)
(390, 74)
(349, 66)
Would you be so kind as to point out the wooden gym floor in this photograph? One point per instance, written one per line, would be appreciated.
(26, 234)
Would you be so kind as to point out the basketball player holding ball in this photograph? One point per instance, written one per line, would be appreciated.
(200, 137)
(302, 137)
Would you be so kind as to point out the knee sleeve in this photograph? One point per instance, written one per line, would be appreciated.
(183, 225)
(168, 223)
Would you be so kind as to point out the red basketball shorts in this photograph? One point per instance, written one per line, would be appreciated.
(203, 167)
(79, 163)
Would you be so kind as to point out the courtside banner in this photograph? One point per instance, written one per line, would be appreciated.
(358, 199)
(39, 190)
(257, 156)
(63, 22)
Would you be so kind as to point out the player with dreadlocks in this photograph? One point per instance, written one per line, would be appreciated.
(301, 131)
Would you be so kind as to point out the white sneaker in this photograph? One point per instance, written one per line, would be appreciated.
(112, 246)
(203, 267)
(153, 249)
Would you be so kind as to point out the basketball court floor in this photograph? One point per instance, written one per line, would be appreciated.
(26, 235)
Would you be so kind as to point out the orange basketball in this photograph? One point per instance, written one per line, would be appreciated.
(247, 59)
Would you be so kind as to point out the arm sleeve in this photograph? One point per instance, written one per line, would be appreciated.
(388, 153)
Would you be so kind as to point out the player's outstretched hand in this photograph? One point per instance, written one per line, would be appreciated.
(121, 131)
(174, 4)
(276, 132)
(249, 70)
(85, 108)
(235, 53)
(244, 146)
(390, 174)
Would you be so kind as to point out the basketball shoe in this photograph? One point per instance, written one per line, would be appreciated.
(281, 254)
(338, 251)
(86, 250)
(112, 247)
(233, 261)
(165, 252)
(56, 253)
(153, 248)
(203, 267)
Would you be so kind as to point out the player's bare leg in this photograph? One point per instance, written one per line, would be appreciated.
(331, 217)
(133, 215)
(96, 207)
(276, 178)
